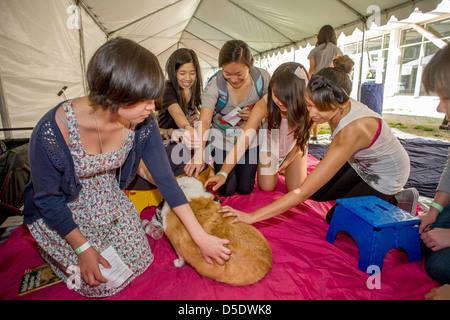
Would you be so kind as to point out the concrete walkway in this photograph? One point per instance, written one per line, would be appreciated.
(408, 105)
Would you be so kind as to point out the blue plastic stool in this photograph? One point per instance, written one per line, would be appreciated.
(377, 227)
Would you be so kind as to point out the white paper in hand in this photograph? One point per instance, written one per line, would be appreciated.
(118, 273)
(232, 117)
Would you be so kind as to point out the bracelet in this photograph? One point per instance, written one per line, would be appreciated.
(185, 125)
(437, 206)
(223, 173)
(83, 248)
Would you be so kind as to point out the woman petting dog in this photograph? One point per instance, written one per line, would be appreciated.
(177, 112)
(83, 152)
(364, 157)
(284, 135)
(224, 112)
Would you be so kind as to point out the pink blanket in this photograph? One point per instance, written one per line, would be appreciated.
(305, 265)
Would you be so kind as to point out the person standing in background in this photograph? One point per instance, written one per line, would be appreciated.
(322, 57)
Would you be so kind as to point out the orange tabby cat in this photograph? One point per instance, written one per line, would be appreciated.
(251, 257)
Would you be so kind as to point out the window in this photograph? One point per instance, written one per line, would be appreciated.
(350, 49)
(374, 44)
(410, 36)
(409, 67)
(416, 52)
(440, 29)
(386, 40)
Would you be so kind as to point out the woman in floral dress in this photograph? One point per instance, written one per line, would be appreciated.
(83, 153)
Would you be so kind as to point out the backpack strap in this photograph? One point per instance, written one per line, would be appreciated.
(222, 84)
(257, 80)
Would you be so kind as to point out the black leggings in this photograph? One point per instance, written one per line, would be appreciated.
(346, 183)
(242, 178)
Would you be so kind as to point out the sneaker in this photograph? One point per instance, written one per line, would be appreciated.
(407, 200)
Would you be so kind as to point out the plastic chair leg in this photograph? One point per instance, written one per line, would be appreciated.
(409, 240)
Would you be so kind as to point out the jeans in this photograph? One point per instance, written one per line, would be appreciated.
(437, 263)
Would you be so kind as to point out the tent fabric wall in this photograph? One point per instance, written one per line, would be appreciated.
(39, 53)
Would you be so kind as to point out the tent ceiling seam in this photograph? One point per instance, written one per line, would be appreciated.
(233, 38)
(262, 21)
(211, 26)
(181, 42)
(169, 48)
(188, 32)
(145, 16)
(168, 28)
(192, 17)
(401, 5)
(350, 8)
(94, 18)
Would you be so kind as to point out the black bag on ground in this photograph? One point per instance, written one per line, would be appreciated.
(14, 175)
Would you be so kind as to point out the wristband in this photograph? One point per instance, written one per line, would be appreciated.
(437, 206)
(223, 173)
(83, 248)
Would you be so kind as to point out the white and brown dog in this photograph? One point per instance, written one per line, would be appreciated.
(251, 257)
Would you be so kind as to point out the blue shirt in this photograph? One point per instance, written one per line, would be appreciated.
(54, 183)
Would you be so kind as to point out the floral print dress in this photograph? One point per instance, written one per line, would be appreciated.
(103, 213)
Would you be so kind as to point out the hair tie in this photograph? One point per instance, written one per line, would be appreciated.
(318, 82)
(301, 74)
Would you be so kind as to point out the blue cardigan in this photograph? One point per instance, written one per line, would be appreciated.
(54, 182)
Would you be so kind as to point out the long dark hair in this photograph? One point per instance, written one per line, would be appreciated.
(122, 72)
(290, 90)
(326, 35)
(175, 61)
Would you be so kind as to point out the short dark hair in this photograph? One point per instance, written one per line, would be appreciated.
(436, 75)
(175, 61)
(235, 51)
(122, 72)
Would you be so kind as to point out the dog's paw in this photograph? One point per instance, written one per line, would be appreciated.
(179, 262)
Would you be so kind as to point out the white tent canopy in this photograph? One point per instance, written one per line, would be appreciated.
(46, 44)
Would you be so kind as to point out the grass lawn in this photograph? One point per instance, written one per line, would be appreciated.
(426, 127)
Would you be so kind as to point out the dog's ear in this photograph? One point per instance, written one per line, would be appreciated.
(205, 175)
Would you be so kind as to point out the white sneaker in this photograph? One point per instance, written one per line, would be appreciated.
(407, 200)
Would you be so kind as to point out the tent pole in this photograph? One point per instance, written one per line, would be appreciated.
(94, 18)
(82, 51)
(362, 59)
(6, 121)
